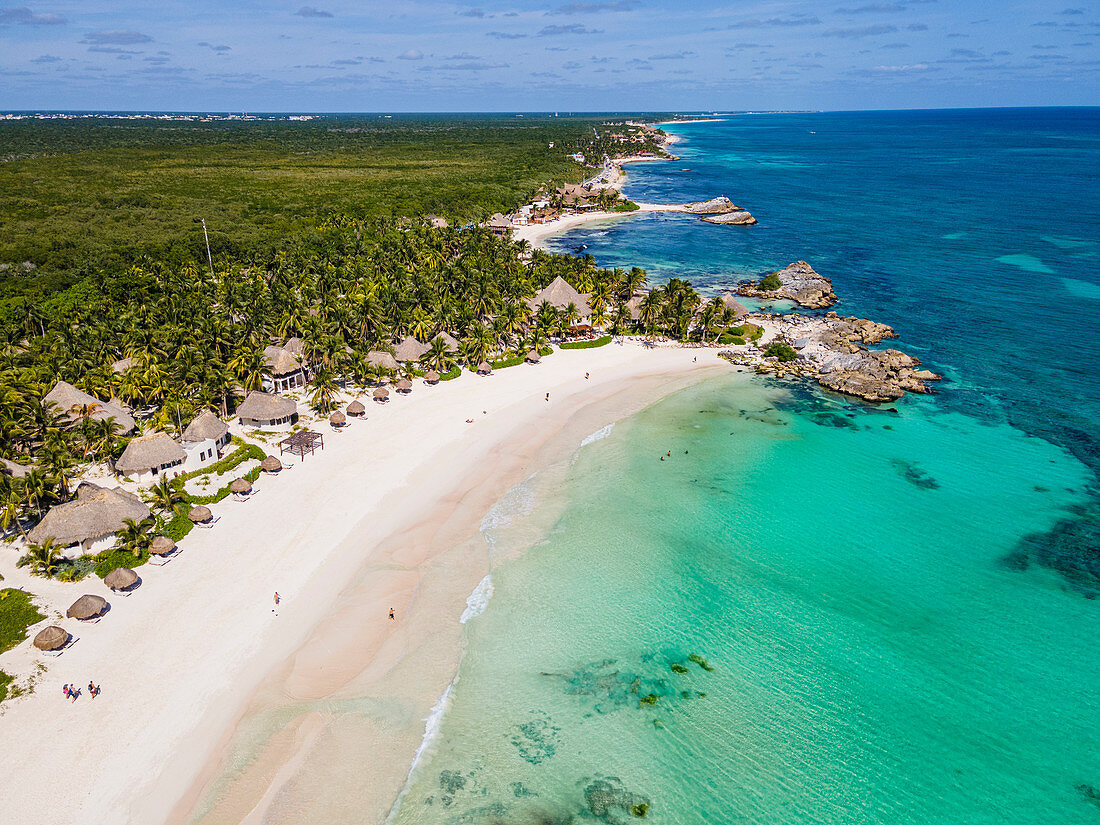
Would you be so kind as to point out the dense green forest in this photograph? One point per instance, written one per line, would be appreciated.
(98, 195)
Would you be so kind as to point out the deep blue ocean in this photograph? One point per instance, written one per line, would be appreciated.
(817, 611)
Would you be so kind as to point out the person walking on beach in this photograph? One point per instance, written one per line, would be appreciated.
(278, 598)
(547, 396)
(392, 617)
(586, 376)
(65, 690)
(93, 690)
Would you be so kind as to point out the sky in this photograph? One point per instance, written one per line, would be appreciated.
(561, 55)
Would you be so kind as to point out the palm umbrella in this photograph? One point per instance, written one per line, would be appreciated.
(404, 385)
(200, 513)
(51, 638)
(432, 377)
(484, 368)
(87, 607)
(356, 408)
(337, 419)
(381, 394)
(533, 357)
(162, 546)
(120, 578)
(240, 486)
(271, 464)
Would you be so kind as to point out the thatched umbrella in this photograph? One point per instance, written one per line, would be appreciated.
(87, 607)
(337, 419)
(162, 546)
(120, 578)
(484, 368)
(381, 394)
(271, 464)
(200, 514)
(356, 408)
(51, 638)
(533, 357)
(240, 486)
(432, 377)
(404, 385)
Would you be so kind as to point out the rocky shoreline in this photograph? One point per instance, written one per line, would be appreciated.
(721, 210)
(798, 282)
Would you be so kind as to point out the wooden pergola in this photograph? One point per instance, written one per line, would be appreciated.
(301, 443)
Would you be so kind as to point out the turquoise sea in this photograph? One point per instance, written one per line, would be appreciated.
(816, 611)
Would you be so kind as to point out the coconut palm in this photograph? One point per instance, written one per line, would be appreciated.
(164, 496)
(135, 536)
(43, 559)
(439, 357)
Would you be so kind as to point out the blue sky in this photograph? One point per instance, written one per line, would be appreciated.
(566, 55)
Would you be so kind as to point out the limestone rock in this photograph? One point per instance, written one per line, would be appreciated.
(799, 283)
(736, 218)
(715, 206)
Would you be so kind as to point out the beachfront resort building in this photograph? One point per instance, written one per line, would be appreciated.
(75, 404)
(203, 440)
(267, 411)
(409, 349)
(500, 225)
(89, 522)
(559, 294)
(147, 456)
(288, 370)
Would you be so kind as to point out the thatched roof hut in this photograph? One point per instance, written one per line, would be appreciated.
(738, 308)
(14, 470)
(484, 368)
(382, 360)
(404, 385)
(356, 408)
(271, 464)
(410, 349)
(205, 427)
(87, 607)
(51, 638)
(337, 419)
(162, 546)
(559, 294)
(96, 512)
(281, 361)
(381, 394)
(68, 398)
(200, 514)
(432, 377)
(150, 452)
(240, 486)
(294, 345)
(121, 578)
(264, 408)
(448, 339)
(533, 357)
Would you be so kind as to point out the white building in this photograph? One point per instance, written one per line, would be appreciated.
(203, 440)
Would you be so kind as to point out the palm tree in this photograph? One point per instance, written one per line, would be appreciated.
(440, 357)
(323, 384)
(43, 559)
(135, 536)
(164, 496)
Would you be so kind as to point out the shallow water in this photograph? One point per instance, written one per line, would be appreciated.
(895, 607)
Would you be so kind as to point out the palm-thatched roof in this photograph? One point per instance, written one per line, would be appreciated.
(381, 360)
(266, 406)
(14, 470)
(499, 221)
(337, 418)
(87, 607)
(271, 464)
(634, 307)
(484, 368)
(205, 426)
(294, 346)
(51, 638)
(120, 578)
(533, 357)
(66, 397)
(738, 308)
(432, 377)
(410, 349)
(94, 513)
(404, 385)
(559, 294)
(381, 394)
(356, 408)
(200, 513)
(148, 451)
(240, 485)
(281, 361)
(162, 546)
(448, 339)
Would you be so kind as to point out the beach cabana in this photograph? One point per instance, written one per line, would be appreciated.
(287, 370)
(88, 523)
(271, 464)
(404, 386)
(410, 349)
(484, 368)
(203, 440)
(533, 357)
(72, 403)
(201, 516)
(87, 608)
(356, 409)
(162, 550)
(381, 395)
(240, 487)
(559, 294)
(267, 411)
(122, 579)
(738, 309)
(52, 639)
(301, 443)
(432, 377)
(338, 420)
(448, 339)
(147, 456)
(382, 360)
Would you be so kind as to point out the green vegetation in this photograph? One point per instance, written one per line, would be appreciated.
(770, 281)
(649, 699)
(676, 667)
(782, 351)
(699, 660)
(5, 685)
(626, 205)
(17, 613)
(598, 342)
(640, 810)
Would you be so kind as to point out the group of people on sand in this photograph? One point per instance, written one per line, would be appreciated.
(73, 692)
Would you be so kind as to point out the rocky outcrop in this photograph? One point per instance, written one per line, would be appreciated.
(875, 375)
(798, 282)
(715, 206)
(739, 218)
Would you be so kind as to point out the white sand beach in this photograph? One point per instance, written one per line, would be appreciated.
(381, 518)
(537, 233)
